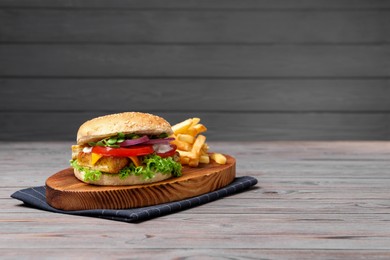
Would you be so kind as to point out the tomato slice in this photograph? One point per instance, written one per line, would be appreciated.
(136, 150)
(168, 153)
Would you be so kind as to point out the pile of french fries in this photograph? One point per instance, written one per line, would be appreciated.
(191, 143)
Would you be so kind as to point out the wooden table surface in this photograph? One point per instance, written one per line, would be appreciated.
(312, 200)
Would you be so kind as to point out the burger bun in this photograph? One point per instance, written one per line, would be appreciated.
(114, 179)
(126, 123)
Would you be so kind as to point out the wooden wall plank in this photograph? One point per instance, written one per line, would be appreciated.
(222, 126)
(194, 61)
(200, 4)
(295, 70)
(195, 95)
(189, 26)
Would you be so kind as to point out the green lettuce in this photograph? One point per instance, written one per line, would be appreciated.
(90, 174)
(152, 164)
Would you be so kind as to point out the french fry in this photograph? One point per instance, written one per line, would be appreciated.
(182, 127)
(192, 131)
(187, 154)
(184, 160)
(205, 149)
(200, 128)
(193, 162)
(198, 144)
(191, 143)
(195, 121)
(182, 145)
(204, 159)
(218, 158)
(186, 138)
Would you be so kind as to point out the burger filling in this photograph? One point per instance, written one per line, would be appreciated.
(127, 155)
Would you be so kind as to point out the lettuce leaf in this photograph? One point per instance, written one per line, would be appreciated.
(90, 174)
(152, 164)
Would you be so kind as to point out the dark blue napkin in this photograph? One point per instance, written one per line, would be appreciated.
(35, 197)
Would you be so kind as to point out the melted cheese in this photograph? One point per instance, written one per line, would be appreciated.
(95, 157)
(135, 160)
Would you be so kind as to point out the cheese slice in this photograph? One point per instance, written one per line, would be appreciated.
(95, 157)
(135, 160)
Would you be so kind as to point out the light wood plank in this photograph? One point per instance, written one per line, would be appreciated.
(334, 170)
(256, 231)
(285, 204)
(189, 253)
(301, 180)
(326, 199)
(213, 61)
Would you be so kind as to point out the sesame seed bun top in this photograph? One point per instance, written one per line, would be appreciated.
(127, 123)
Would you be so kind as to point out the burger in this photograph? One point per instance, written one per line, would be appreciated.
(125, 149)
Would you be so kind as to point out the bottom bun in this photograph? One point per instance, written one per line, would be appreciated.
(114, 180)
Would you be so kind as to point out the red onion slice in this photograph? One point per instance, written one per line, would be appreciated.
(130, 142)
(160, 141)
(165, 150)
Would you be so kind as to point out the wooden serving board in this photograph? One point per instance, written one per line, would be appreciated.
(64, 191)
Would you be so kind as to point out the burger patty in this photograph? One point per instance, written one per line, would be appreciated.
(108, 164)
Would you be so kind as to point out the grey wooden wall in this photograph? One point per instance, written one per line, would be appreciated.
(252, 70)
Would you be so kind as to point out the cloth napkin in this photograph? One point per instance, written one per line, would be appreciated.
(35, 197)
